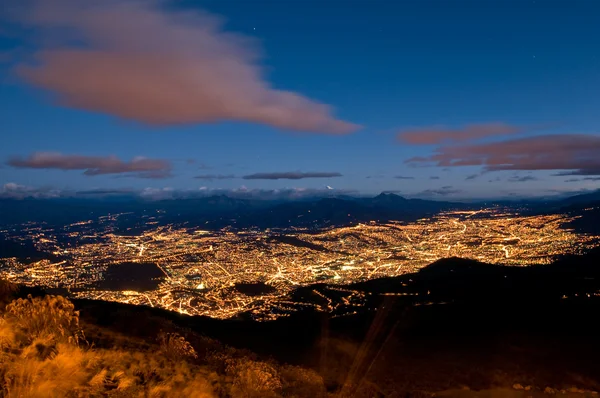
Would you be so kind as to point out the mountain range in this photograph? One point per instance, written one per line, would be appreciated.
(223, 211)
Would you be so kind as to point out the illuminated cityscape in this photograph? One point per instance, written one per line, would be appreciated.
(224, 273)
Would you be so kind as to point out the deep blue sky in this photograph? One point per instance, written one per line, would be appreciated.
(389, 66)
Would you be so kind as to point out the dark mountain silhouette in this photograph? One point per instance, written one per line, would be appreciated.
(581, 199)
(222, 211)
(392, 201)
(586, 210)
(589, 220)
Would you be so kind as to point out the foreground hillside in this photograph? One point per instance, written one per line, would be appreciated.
(47, 352)
(457, 328)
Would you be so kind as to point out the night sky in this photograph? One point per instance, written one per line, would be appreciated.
(437, 99)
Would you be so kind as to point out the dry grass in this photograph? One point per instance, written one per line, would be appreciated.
(43, 353)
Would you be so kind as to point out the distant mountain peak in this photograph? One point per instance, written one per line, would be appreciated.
(384, 194)
(389, 195)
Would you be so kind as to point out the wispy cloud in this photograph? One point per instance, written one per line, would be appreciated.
(404, 178)
(439, 135)
(471, 177)
(522, 178)
(290, 175)
(211, 177)
(139, 61)
(434, 178)
(583, 179)
(95, 165)
(104, 192)
(577, 154)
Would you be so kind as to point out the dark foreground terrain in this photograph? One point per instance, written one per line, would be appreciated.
(471, 326)
(456, 328)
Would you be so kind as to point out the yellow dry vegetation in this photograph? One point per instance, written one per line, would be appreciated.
(44, 353)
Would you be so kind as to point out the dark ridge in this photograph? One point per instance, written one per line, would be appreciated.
(294, 241)
(132, 276)
(22, 250)
(445, 266)
(581, 199)
(254, 289)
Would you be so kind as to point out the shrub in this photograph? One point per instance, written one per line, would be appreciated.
(254, 379)
(176, 347)
(36, 317)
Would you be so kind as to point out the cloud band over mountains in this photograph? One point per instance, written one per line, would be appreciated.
(94, 165)
(138, 61)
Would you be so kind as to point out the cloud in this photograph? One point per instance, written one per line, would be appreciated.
(394, 191)
(95, 165)
(12, 190)
(404, 178)
(582, 172)
(211, 177)
(434, 178)
(522, 179)
(290, 175)
(244, 193)
(471, 177)
(443, 191)
(158, 193)
(575, 153)
(104, 192)
(152, 175)
(16, 191)
(583, 179)
(136, 60)
(440, 135)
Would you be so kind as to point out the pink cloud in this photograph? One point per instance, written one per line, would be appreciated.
(95, 165)
(439, 135)
(143, 63)
(577, 153)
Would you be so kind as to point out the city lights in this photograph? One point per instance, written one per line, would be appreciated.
(203, 268)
